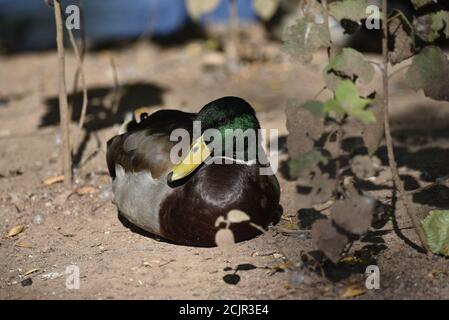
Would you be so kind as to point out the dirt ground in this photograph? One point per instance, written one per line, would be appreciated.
(117, 261)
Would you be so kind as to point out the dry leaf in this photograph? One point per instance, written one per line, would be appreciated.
(404, 45)
(328, 239)
(53, 180)
(304, 125)
(62, 197)
(351, 260)
(16, 230)
(436, 272)
(31, 271)
(86, 190)
(354, 215)
(353, 291)
(24, 245)
(280, 267)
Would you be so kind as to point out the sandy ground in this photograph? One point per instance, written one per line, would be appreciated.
(117, 261)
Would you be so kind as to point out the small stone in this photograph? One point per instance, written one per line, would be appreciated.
(106, 194)
(296, 279)
(38, 219)
(51, 275)
(26, 282)
(58, 139)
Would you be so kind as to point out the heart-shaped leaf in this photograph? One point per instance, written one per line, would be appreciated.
(265, 8)
(430, 72)
(197, 8)
(237, 216)
(436, 229)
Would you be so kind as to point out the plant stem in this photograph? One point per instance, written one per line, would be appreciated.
(232, 45)
(339, 132)
(331, 49)
(80, 71)
(63, 104)
(391, 75)
(389, 141)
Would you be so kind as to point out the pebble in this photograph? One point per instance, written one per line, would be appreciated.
(38, 219)
(51, 275)
(58, 139)
(297, 278)
(26, 282)
(106, 194)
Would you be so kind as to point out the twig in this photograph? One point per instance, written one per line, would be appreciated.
(232, 46)
(326, 25)
(375, 63)
(439, 182)
(319, 92)
(80, 71)
(389, 141)
(63, 104)
(278, 248)
(340, 130)
(116, 101)
(398, 70)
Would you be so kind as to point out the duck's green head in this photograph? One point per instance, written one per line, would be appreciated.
(228, 113)
(229, 117)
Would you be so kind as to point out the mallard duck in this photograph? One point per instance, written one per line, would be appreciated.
(182, 201)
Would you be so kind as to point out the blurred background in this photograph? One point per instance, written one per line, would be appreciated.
(29, 24)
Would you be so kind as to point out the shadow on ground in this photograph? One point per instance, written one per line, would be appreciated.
(106, 107)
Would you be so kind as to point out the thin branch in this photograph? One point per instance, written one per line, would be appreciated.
(398, 71)
(389, 141)
(376, 64)
(278, 248)
(340, 130)
(63, 104)
(440, 181)
(116, 101)
(80, 71)
(320, 92)
(232, 45)
(330, 50)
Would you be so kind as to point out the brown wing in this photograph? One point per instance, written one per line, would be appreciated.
(147, 145)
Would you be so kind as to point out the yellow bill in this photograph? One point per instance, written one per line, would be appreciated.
(198, 153)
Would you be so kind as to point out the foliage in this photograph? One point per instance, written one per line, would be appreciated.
(264, 8)
(436, 228)
(317, 128)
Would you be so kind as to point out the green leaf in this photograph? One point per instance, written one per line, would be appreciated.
(430, 72)
(347, 100)
(373, 133)
(421, 3)
(197, 8)
(305, 162)
(304, 38)
(429, 27)
(315, 107)
(354, 10)
(265, 8)
(436, 229)
(349, 64)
